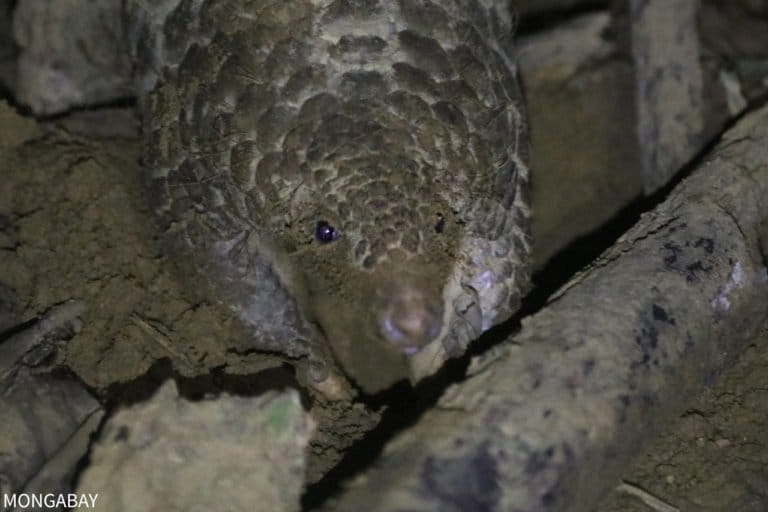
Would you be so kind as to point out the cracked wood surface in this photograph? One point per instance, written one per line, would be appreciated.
(548, 420)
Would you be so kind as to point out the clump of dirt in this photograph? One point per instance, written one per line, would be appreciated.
(79, 230)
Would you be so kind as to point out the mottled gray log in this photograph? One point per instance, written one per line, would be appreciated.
(548, 420)
(669, 85)
(230, 453)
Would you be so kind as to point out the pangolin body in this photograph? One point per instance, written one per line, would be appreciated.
(347, 173)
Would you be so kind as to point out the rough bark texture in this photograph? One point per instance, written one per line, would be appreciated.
(546, 421)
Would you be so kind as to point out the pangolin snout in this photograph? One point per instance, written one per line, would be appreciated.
(410, 319)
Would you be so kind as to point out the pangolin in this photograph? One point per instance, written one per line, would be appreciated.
(346, 173)
(348, 176)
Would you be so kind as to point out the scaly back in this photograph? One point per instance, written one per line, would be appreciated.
(341, 171)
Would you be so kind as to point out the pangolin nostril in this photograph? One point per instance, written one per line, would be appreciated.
(411, 320)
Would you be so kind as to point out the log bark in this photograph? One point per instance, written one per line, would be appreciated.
(548, 420)
(669, 85)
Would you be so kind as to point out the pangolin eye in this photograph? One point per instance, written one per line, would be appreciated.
(325, 233)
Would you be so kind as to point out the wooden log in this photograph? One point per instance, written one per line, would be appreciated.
(548, 420)
(669, 85)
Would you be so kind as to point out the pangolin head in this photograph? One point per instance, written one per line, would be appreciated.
(399, 250)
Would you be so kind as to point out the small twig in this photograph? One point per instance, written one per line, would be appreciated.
(649, 499)
(165, 343)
